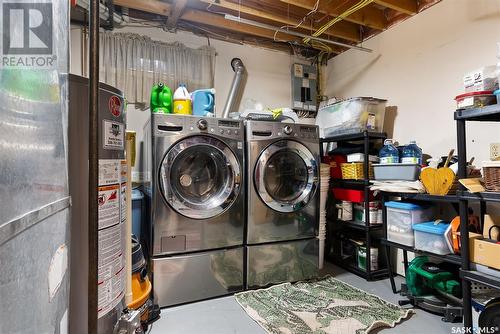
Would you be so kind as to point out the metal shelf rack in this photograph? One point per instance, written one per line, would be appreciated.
(366, 229)
(450, 258)
(485, 114)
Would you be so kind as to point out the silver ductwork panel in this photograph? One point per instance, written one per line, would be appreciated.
(34, 197)
(235, 91)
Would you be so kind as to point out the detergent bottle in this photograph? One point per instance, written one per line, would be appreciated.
(161, 99)
(203, 102)
(182, 101)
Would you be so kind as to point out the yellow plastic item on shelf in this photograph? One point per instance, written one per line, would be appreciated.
(182, 101)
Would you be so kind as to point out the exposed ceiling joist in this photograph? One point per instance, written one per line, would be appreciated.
(152, 6)
(367, 16)
(218, 21)
(345, 31)
(179, 6)
(409, 7)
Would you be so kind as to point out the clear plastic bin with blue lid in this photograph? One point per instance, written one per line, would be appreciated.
(434, 237)
(401, 216)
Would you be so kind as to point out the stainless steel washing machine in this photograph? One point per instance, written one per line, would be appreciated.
(283, 202)
(198, 207)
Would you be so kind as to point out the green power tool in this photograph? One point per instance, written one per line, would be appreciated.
(424, 278)
(434, 288)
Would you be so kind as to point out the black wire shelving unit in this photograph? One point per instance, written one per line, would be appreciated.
(367, 230)
(485, 114)
(450, 258)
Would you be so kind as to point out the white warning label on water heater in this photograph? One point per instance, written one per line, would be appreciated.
(109, 171)
(111, 268)
(114, 135)
(109, 206)
(111, 258)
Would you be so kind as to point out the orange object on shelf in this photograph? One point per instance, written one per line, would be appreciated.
(474, 227)
(455, 234)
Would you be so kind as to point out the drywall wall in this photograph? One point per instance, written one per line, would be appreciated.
(268, 79)
(418, 66)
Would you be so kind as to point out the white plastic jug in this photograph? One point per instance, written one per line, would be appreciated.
(182, 101)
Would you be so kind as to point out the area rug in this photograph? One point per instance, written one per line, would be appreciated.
(322, 306)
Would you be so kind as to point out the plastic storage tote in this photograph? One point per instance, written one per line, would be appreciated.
(335, 160)
(434, 237)
(350, 116)
(484, 78)
(401, 217)
(407, 172)
(137, 214)
(475, 100)
(351, 195)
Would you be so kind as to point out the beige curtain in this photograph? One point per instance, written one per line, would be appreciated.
(134, 63)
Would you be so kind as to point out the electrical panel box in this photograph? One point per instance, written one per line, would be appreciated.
(304, 92)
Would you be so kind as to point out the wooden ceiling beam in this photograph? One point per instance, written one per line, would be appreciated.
(348, 32)
(366, 16)
(214, 20)
(172, 19)
(218, 21)
(150, 6)
(409, 7)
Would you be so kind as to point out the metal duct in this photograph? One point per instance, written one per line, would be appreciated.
(235, 90)
(34, 198)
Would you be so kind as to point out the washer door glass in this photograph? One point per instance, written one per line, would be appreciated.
(200, 177)
(286, 176)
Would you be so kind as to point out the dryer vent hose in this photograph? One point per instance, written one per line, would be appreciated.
(236, 88)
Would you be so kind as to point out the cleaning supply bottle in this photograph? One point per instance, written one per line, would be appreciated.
(203, 102)
(161, 99)
(389, 154)
(412, 154)
(182, 101)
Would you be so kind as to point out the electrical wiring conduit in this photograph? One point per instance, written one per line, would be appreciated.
(322, 29)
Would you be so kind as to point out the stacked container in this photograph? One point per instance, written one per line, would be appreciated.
(434, 237)
(401, 217)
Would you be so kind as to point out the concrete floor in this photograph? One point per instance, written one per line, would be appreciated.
(224, 315)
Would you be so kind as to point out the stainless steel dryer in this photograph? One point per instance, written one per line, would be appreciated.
(283, 203)
(198, 207)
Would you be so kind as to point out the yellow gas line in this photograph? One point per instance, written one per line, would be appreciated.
(322, 29)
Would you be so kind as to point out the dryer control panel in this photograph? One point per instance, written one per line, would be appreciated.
(186, 125)
(260, 130)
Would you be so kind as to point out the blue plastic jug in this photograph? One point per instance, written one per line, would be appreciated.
(389, 154)
(412, 153)
(203, 102)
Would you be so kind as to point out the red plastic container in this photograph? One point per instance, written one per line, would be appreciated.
(357, 196)
(475, 99)
(334, 161)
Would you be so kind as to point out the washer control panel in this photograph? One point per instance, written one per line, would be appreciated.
(187, 125)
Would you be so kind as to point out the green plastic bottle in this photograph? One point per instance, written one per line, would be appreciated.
(161, 99)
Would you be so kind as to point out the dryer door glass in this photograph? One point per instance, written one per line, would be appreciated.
(286, 176)
(200, 177)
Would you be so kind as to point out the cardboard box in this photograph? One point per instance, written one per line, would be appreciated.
(489, 221)
(484, 252)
